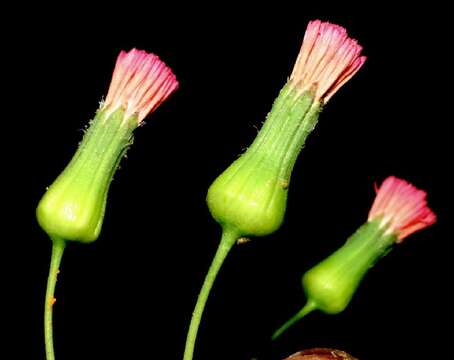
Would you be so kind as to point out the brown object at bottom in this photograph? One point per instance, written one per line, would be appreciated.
(321, 354)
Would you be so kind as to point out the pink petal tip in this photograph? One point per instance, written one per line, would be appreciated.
(140, 83)
(402, 207)
(328, 58)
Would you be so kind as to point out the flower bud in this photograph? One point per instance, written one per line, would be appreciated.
(73, 206)
(399, 209)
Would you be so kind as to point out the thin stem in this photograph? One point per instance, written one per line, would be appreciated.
(309, 307)
(58, 246)
(227, 241)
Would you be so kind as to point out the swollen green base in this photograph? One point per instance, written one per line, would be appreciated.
(251, 194)
(331, 284)
(73, 206)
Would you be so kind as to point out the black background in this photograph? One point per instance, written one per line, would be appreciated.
(130, 294)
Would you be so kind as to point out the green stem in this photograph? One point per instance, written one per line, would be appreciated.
(309, 307)
(227, 241)
(58, 246)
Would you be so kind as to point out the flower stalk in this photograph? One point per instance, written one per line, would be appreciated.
(58, 246)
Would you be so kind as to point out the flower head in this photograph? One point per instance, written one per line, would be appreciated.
(73, 207)
(327, 60)
(402, 207)
(140, 82)
(399, 209)
(251, 194)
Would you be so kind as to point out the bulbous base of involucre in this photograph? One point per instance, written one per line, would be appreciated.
(69, 214)
(331, 284)
(73, 206)
(249, 196)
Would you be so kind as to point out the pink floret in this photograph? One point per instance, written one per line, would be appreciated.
(328, 58)
(140, 82)
(402, 208)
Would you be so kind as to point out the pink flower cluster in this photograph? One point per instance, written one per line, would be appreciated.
(140, 83)
(402, 208)
(327, 60)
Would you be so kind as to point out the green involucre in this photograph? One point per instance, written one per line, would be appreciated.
(73, 206)
(251, 194)
(331, 283)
